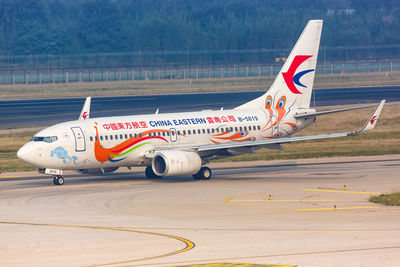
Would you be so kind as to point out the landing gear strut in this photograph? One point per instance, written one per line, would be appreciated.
(58, 180)
(203, 174)
(150, 173)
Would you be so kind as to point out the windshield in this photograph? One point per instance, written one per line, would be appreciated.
(47, 139)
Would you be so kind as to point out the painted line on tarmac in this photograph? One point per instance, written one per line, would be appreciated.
(9, 177)
(339, 208)
(279, 255)
(283, 200)
(242, 203)
(188, 244)
(232, 264)
(340, 191)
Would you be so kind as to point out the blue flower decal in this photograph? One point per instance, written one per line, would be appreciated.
(61, 153)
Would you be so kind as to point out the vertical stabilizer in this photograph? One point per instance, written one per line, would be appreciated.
(295, 79)
(85, 110)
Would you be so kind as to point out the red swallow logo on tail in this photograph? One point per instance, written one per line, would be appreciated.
(291, 78)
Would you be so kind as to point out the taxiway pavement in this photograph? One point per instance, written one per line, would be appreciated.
(297, 212)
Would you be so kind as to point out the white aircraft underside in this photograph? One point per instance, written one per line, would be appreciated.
(182, 143)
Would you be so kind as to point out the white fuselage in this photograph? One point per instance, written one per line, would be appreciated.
(125, 140)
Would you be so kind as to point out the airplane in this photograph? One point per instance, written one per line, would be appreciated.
(184, 143)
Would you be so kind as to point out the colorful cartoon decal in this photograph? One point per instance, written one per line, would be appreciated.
(232, 136)
(61, 153)
(118, 152)
(290, 77)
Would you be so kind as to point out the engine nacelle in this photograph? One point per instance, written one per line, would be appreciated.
(98, 171)
(176, 162)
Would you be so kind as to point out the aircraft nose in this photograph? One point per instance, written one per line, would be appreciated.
(26, 153)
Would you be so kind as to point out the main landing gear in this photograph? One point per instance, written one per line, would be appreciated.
(58, 180)
(203, 174)
(150, 173)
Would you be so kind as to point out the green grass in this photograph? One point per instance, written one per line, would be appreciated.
(392, 199)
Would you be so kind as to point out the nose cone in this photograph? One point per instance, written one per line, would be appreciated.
(27, 153)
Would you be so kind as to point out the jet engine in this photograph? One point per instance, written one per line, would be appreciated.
(176, 162)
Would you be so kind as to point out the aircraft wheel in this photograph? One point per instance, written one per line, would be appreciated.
(58, 180)
(203, 174)
(150, 173)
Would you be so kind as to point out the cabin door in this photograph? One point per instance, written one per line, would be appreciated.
(80, 144)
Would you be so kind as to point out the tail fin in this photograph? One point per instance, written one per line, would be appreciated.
(85, 113)
(296, 78)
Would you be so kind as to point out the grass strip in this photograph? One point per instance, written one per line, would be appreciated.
(392, 199)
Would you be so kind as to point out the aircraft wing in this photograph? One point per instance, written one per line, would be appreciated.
(277, 141)
(325, 112)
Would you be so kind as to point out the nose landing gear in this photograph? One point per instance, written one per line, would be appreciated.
(58, 180)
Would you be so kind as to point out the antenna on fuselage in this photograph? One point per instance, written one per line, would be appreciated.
(85, 109)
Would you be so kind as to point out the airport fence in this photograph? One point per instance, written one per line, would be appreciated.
(133, 74)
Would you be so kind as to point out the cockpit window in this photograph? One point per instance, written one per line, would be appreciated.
(47, 139)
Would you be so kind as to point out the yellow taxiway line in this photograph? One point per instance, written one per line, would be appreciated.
(340, 191)
(8, 177)
(282, 200)
(188, 244)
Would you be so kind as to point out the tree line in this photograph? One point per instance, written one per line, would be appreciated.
(40, 27)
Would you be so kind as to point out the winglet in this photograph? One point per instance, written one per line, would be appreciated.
(85, 110)
(372, 121)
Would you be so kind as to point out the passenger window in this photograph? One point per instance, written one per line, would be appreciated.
(167, 133)
(101, 138)
(184, 132)
(91, 139)
(240, 128)
(121, 136)
(204, 131)
(116, 137)
(96, 138)
(140, 135)
(236, 129)
(126, 136)
(130, 135)
(258, 127)
(179, 133)
(188, 131)
(254, 128)
(135, 135)
(111, 137)
(198, 131)
(212, 130)
(163, 134)
(217, 130)
(106, 137)
(208, 131)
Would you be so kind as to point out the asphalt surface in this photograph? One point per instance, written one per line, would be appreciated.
(42, 112)
(311, 212)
